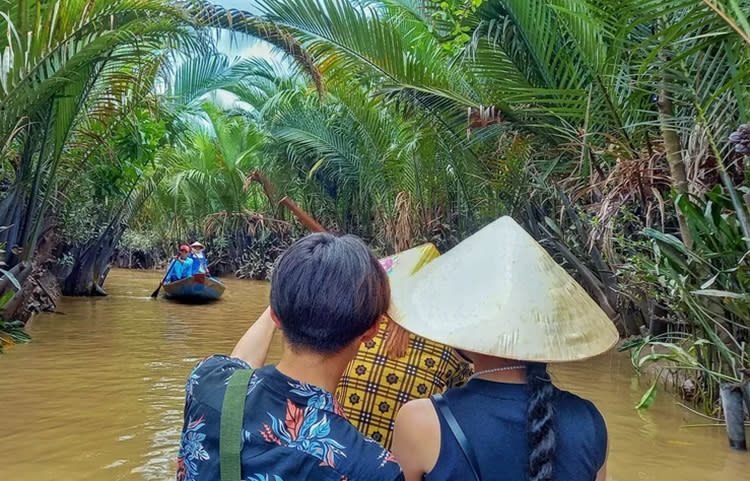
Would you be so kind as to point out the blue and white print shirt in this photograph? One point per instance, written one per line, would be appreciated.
(291, 431)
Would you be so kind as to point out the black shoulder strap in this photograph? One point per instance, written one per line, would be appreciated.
(442, 405)
(230, 429)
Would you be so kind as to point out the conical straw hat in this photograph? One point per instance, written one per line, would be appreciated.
(402, 266)
(499, 293)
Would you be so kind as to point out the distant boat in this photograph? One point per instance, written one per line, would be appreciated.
(198, 288)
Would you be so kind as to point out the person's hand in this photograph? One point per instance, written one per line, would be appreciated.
(175, 257)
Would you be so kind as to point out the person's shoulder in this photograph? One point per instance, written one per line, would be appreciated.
(576, 406)
(210, 373)
(220, 363)
(417, 420)
(580, 415)
(417, 415)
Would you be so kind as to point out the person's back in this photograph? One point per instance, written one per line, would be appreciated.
(197, 264)
(291, 431)
(495, 419)
(181, 266)
(327, 295)
(184, 268)
(376, 385)
(504, 302)
(397, 366)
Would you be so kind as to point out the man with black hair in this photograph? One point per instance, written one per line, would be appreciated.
(281, 423)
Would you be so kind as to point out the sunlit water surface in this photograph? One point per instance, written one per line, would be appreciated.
(98, 394)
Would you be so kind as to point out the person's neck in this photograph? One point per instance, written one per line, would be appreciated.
(323, 371)
(484, 363)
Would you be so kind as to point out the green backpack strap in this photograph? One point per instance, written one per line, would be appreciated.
(230, 432)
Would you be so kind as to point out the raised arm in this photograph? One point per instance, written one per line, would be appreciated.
(254, 344)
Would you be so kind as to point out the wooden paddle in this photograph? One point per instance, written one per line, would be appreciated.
(156, 292)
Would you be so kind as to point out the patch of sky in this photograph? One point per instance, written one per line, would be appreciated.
(246, 5)
(238, 46)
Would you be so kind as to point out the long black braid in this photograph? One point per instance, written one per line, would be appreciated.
(541, 433)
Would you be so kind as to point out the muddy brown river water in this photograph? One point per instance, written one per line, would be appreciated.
(98, 394)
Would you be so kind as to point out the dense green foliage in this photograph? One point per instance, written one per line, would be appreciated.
(78, 82)
(604, 126)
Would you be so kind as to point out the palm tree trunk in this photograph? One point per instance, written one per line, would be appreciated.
(673, 149)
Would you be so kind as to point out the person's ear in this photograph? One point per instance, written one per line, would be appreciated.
(370, 334)
(275, 319)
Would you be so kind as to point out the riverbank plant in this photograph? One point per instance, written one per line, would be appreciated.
(11, 333)
(705, 290)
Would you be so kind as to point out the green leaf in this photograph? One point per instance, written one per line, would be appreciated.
(710, 282)
(626, 346)
(555, 228)
(680, 354)
(4, 300)
(648, 398)
(315, 167)
(666, 239)
(653, 357)
(635, 354)
(12, 278)
(720, 293)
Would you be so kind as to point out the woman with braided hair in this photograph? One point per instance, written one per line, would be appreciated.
(500, 299)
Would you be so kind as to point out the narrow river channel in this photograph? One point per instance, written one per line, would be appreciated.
(98, 394)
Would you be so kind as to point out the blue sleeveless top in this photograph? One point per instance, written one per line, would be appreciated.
(493, 417)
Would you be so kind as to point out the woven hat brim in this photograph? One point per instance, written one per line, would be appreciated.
(500, 293)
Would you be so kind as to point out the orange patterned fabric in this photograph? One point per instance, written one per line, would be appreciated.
(374, 386)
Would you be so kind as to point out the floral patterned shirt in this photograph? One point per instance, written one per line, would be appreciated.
(291, 431)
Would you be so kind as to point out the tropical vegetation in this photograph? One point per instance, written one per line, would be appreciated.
(612, 130)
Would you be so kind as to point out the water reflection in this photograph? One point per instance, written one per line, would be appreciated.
(98, 394)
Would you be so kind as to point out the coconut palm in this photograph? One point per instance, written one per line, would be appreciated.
(573, 72)
(64, 66)
(70, 71)
(609, 99)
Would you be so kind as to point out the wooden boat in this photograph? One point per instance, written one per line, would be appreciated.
(198, 288)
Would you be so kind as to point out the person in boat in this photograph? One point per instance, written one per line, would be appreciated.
(182, 265)
(198, 256)
(500, 298)
(282, 423)
(397, 366)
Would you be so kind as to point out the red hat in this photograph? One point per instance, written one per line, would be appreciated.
(184, 248)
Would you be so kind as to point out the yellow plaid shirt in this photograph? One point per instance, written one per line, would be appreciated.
(374, 386)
